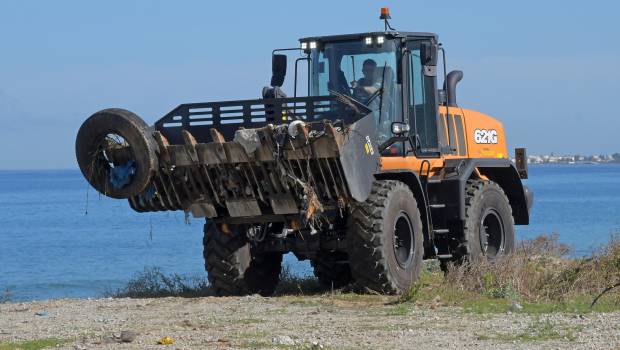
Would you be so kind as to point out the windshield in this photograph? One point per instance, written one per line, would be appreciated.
(365, 73)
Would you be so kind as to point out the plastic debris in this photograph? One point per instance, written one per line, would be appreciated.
(248, 139)
(165, 341)
(121, 175)
(42, 313)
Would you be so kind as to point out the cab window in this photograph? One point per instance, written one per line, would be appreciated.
(422, 104)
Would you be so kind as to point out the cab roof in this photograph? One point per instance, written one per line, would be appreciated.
(358, 36)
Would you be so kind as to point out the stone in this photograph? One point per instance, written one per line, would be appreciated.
(128, 336)
(515, 307)
(283, 340)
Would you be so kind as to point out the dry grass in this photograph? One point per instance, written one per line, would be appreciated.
(539, 271)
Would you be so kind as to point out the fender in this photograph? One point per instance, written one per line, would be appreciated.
(501, 171)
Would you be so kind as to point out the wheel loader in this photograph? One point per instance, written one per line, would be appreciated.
(372, 170)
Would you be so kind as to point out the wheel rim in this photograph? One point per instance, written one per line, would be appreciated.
(403, 240)
(491, 233)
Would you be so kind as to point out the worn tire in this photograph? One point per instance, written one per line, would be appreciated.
(137, 134)
(332, 270)
(232, 267)
(486, 202)
(371, 239)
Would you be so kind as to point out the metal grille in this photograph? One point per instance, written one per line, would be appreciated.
(228, 116)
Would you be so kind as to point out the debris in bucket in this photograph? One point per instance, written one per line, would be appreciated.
(120, 175)
(248, 139)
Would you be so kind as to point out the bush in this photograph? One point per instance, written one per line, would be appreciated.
(152, 283)
(539, 271)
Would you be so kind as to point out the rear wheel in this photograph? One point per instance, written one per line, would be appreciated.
(234, 267)
(385, 241)
(489, 225)
(332, 269)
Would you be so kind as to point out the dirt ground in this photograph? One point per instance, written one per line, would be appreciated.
(293, 322)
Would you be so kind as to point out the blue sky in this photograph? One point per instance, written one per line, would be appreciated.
(548, 70)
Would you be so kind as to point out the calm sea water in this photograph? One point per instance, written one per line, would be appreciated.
(58, 238)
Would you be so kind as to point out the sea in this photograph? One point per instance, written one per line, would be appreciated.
(61, 239)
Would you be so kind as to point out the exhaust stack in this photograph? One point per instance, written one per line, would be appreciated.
(449, 86)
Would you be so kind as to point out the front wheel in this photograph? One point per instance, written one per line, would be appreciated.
(385, 240)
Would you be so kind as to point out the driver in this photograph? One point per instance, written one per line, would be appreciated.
(366, 86)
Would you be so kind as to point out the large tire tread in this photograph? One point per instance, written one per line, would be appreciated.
(369, 266)
(330, 272)
(473, 195)
(227, 271)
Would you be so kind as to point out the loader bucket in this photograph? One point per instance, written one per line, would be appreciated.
(261, 160)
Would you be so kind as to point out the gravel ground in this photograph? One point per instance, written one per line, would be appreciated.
(290, 322)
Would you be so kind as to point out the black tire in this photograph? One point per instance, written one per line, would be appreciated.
(232, 267)
(90, 143)
(489, 225)
(332, 269)
(376, 262)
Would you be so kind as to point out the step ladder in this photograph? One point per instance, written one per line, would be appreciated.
(425, 169)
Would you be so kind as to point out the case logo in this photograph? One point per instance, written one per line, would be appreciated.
(485, 136)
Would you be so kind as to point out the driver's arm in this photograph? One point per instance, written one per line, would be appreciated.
(370, 89)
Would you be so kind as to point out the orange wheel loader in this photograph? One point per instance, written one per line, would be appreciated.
(372, 170)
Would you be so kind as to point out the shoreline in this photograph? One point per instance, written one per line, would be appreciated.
(339, 321)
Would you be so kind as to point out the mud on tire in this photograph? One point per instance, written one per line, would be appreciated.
(232, 267)
(383, 256)
(489, 225)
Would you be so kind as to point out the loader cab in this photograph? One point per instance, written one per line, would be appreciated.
(404, 82)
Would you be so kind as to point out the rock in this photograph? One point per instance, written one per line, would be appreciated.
(515, 307)
(315, 345)
(128, 336)
(283, 340)
(109, 340)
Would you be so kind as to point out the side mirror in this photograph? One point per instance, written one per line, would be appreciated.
(400, 128)
(278, 69)
(428, 54)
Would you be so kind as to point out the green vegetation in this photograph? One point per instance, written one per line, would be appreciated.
(538, 331)
(33, 344)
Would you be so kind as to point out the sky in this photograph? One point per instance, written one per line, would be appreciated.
(549, 70)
